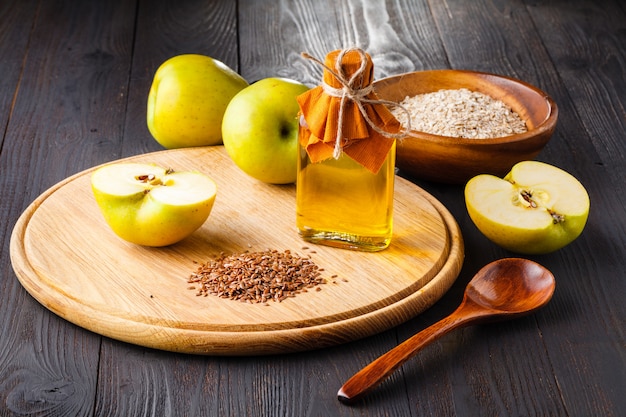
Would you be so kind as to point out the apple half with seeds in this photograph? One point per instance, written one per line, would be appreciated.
(536, 208)
(152, 206)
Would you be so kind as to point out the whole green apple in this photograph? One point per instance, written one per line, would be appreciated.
(152, 206)
(187, 100)
(536, 208)
(260, 129)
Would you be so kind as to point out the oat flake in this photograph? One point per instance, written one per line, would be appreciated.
(460, 113)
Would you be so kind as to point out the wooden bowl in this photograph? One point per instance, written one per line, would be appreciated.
(455, 160)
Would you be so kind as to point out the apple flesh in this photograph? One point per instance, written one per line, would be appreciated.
(536, 208)
(187, 100)
(152, 206)
(260, 129)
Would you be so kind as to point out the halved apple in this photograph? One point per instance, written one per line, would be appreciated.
(536, 208)
(150, 205)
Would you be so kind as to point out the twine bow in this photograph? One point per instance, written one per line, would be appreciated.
(359, 95)
(352, 89)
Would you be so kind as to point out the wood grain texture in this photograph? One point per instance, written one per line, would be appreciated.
(15, 38)
(67, 258)
(567, 359)
(73, 67)
(400, 36)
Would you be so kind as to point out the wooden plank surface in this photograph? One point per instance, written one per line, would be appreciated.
(68, 104)
(76, 75)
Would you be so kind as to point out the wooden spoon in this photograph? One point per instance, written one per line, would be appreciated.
(503, 289)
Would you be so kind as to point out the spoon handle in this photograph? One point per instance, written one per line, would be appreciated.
(373, 374)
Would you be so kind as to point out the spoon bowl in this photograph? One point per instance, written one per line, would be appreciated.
(503, 289)
(510, 287)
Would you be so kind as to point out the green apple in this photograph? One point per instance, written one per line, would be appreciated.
(536, 208)
(187, 100)
(260, 129)
(152, 206)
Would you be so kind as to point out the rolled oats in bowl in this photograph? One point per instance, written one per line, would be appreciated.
(460, 113)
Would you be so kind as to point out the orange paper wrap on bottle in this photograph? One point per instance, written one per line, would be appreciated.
(346, 104)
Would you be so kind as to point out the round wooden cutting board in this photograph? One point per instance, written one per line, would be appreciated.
(68, 259)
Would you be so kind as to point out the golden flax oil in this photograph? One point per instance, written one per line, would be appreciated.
(341, 203)
(346, 162)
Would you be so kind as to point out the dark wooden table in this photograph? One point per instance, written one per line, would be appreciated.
(74, 78)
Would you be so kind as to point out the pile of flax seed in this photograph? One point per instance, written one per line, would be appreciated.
(257, 277)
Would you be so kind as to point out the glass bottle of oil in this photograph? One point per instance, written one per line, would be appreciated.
(340, 203)
(342, 200)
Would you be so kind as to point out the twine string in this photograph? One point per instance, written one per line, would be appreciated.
(358, 96)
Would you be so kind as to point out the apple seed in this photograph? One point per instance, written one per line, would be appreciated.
(529, 201)
(528, 197)
(145, 178)
(149, 179)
